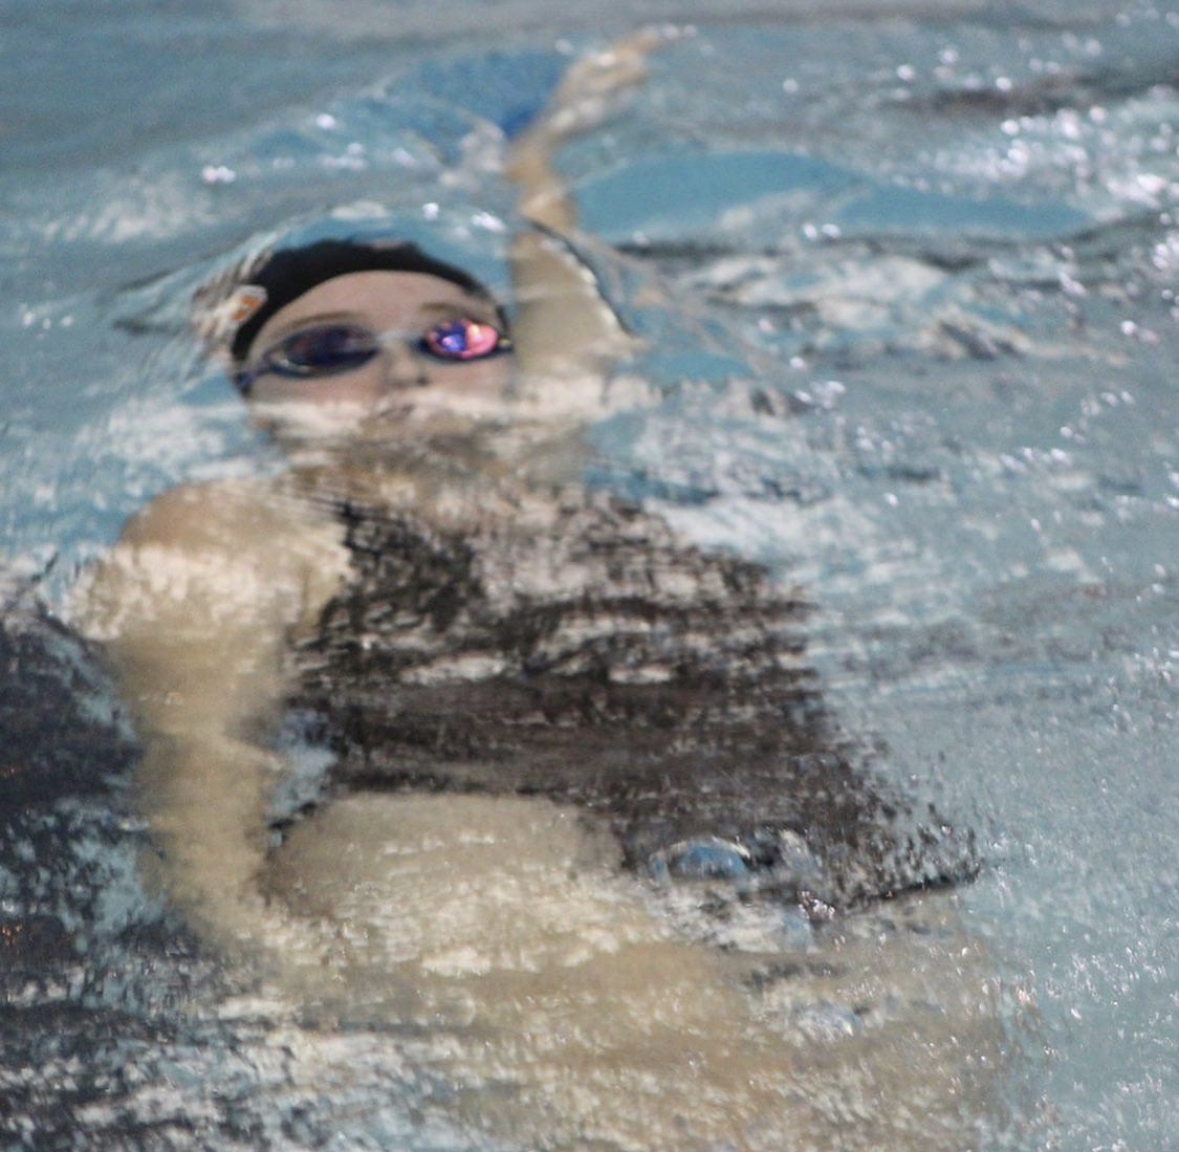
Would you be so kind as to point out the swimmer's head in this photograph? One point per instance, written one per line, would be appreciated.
(379, 325)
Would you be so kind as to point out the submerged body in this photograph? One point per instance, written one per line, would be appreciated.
(571, 755)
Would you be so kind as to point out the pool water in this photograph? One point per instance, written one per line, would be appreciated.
(906, 279)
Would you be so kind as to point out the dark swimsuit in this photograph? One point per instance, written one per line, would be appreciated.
(659, 687)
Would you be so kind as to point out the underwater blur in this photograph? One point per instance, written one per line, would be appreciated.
(904, 278)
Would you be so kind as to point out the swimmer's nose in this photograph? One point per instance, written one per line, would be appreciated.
(404, 367)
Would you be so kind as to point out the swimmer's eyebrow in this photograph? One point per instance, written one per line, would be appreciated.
(310, 321)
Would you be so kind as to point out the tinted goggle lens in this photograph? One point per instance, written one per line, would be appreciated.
(322, 350)
(462, 340)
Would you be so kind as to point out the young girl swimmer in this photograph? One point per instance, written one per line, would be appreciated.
(570, 754)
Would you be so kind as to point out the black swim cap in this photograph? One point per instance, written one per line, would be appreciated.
(287, 274)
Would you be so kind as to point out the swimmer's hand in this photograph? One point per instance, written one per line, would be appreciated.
(589, 92)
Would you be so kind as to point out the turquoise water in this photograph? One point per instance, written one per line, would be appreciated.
(906, 275)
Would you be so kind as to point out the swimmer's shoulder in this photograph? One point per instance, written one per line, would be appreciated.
(250, 542)
(225, 515)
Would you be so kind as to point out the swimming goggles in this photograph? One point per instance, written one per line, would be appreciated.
(331, 349)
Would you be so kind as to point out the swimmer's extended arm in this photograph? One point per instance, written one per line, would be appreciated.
(586, 94)
(564, 325)
(194, 606)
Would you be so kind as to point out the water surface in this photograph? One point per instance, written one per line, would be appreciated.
(906, 274)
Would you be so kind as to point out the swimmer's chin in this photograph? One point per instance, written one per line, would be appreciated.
(298, 424)
(533, 432)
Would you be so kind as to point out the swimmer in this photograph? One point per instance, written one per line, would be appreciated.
(559, 735)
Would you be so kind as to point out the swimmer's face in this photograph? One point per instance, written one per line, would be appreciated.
(406, 311)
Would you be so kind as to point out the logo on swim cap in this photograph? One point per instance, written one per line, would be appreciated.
(221, 322)
(244, 302)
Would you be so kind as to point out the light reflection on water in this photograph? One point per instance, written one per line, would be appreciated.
(960, 317)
